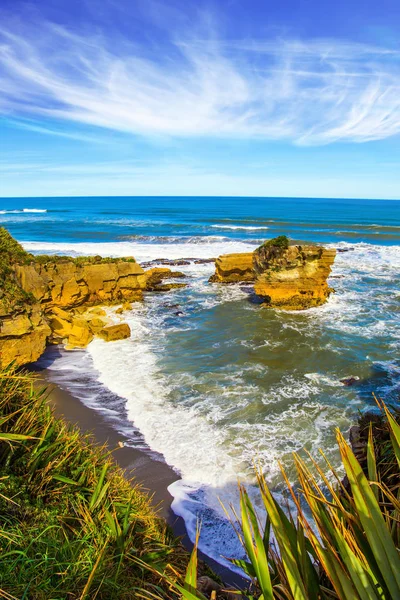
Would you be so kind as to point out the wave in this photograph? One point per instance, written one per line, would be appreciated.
(244, 227)
(22, 211)
(143, 252)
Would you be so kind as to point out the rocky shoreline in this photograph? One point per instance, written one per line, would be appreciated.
(59, 299)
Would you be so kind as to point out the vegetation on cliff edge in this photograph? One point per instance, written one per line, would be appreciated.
(71, 525)
(11, 253)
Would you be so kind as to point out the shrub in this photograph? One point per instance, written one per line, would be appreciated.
(343, 542)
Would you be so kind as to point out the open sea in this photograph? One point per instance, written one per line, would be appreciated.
(210, 382)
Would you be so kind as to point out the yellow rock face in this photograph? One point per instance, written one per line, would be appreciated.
(63, 289)
(67, 284)
(115, 332)
(287, 277)
(23, 337)
(295, 278)
(24, 349)
(231, 268)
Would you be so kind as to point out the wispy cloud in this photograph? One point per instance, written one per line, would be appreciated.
(307, 92)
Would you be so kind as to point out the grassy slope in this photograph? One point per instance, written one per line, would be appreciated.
(71, 526)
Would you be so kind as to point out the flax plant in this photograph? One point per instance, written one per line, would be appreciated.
(341, 542)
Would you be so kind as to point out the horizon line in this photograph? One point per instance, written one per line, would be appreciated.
(202, 196)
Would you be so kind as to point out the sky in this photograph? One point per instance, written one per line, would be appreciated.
(295, 98)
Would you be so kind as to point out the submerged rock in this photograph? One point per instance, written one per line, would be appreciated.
(351, 380)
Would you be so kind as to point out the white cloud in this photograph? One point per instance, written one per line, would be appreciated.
(314, 92)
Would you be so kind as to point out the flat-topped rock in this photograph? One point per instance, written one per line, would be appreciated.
(233, 268)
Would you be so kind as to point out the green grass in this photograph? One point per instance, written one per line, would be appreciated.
(281, 242)
(71, 525)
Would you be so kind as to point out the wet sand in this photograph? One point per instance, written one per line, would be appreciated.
(153, 475)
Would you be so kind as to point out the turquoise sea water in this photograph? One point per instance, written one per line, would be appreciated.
(209, 381)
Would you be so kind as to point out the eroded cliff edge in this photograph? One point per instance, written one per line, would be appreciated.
(291, 277)
(47, 299)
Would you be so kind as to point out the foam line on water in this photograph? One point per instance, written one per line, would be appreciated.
(22, 211)
(141, 251)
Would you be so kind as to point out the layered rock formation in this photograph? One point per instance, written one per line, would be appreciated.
(45, 299)
(292, 277)
(289, 277)
(231, 268)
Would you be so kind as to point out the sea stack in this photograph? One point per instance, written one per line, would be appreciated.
(291, 277)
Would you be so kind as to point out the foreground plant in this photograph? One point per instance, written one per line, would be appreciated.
(343, 541)
(71, 525)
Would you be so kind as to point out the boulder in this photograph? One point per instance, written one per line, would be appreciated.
(153, 278)
(233, 268)
(74, 330)
(97, 310)
(25, 348)
(113, 333)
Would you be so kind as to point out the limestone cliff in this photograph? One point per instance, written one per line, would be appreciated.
(289, 277)
(45, 299)
(231, 268)
(68, 283)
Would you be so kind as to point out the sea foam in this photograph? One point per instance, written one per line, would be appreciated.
(141, 251)
(211, 424)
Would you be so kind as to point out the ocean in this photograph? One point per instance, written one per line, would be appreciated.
(210, 382)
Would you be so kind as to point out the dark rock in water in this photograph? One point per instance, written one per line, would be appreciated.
(349, 380)
(344, 249)
(336, 276)
(204, 261)
(166, 261)
(167, 287)
(177, 274)
(178, 313)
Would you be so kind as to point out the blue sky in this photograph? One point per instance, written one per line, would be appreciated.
(235, 97)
